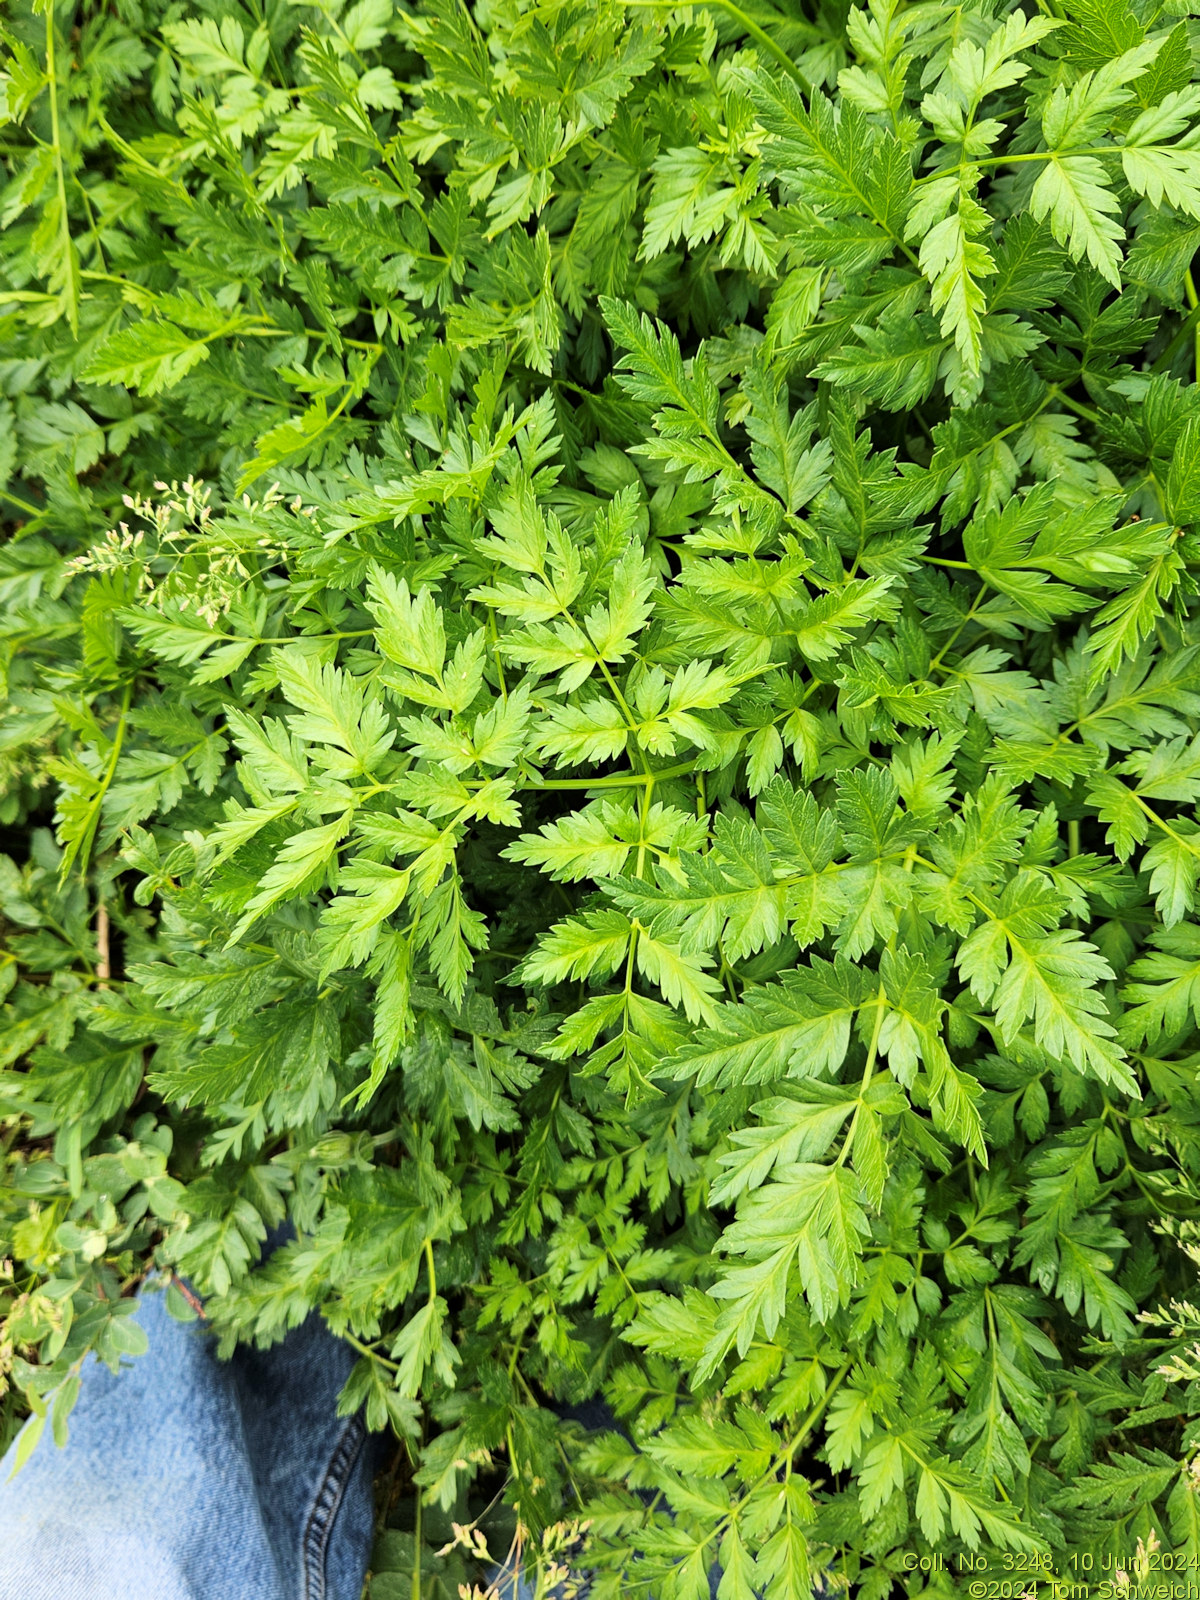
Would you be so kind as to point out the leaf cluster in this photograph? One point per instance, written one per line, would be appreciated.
(601, 732)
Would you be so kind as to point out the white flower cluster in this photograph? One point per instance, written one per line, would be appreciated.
(182, 554)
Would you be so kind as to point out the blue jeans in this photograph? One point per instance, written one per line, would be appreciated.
(189, 1478)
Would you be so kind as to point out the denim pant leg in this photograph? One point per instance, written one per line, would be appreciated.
(189, 1478)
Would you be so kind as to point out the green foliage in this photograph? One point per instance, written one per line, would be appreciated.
(601, 714)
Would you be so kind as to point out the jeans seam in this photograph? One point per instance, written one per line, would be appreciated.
(319, 1524)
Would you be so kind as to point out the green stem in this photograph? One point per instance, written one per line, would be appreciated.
(818, 1411)
(1088, 413)
(416, 1571)
(868, 1073)
(372, 1355)
(21, 505)
(618, 780)
(1189, 288)
(72, 266)
(761, 37)
(93, 812)
(292, 638)
(630, 720)
(644, 802)
(936, 663)
(311, 333)
(1190, 322)
(1185, 844)
(757, 33)
(1011, 160)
